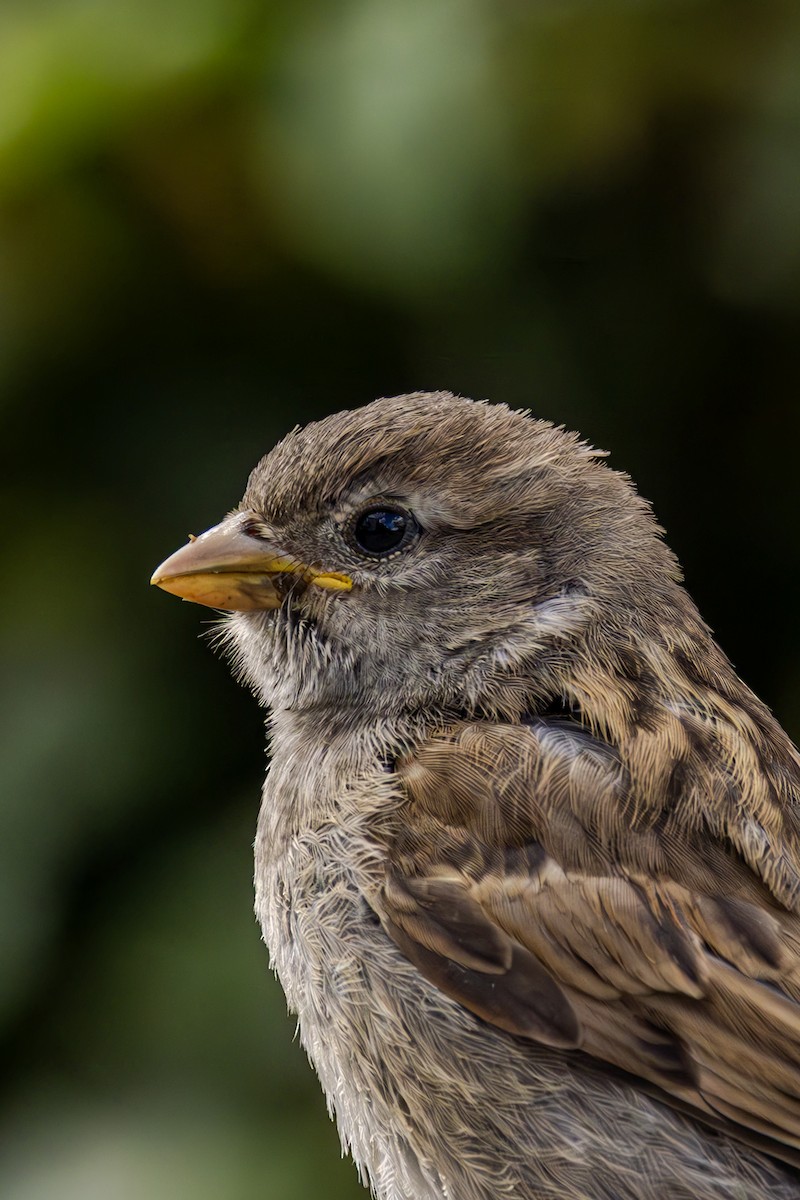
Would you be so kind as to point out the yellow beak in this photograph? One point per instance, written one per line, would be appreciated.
(228, 567)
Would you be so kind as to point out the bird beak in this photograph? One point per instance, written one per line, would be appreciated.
(228, 567)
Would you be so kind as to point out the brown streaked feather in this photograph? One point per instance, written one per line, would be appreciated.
(663, 925)
(525, 1000)
(441, 915)
(605, 924)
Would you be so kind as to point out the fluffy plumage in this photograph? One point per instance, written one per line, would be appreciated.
(528, 859)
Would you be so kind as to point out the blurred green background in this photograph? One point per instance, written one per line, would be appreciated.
(222, 217)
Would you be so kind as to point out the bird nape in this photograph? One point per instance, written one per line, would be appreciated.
(528, 857)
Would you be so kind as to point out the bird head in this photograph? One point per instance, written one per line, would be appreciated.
(426, 551)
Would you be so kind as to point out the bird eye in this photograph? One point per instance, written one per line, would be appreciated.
(382, 530)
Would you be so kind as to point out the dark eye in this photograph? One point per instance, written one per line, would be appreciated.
(381, 530)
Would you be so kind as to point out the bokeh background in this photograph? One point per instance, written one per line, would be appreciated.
(222, 217)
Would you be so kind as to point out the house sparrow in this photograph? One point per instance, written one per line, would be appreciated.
(528, 859)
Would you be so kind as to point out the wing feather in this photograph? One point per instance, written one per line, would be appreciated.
(530, 887)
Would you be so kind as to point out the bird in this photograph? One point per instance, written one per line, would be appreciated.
(527, 862)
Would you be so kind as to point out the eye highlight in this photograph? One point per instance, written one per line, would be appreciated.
(383, 529)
